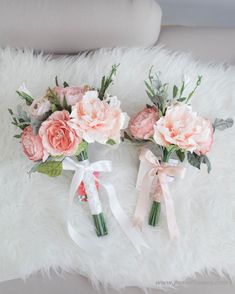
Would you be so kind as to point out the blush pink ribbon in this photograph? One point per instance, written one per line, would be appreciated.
(152, 177)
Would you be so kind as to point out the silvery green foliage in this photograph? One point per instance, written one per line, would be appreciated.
(35, 123)
(222, 124)
(196, 160)
(159, 94)
(22, 114)
(157, 91)
(20, 119)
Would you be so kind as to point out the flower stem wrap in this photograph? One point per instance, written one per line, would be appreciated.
(151, 172)
(84, 171)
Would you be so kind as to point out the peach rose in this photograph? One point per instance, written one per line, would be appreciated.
(32, 145)
(182, 127)
(58, 138)
(72, 94)
(39, 108)
(141, 125)
(97, 120)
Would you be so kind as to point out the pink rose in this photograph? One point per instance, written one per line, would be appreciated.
(32, 145)
(182, 127)
(58, 138)
(39, 108)
(97, 120)
(141, 125)
(72, 94)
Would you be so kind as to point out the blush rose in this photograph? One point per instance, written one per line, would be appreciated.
(98, 121)
(182, 127)
(141, 126)
(32, 144)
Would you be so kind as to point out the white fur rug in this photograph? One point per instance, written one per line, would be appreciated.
(33, 232)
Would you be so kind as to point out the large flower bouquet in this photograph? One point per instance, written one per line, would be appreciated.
(179, 133)
(58, 127)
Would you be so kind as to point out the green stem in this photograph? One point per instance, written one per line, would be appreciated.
(83, 155)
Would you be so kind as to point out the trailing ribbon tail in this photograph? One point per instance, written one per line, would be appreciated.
(150, 168)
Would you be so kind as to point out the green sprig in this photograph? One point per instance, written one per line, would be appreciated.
(107, 81)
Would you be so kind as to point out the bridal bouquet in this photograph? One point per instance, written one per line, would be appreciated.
(57, 128)
(178, 132)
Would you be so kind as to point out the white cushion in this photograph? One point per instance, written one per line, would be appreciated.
(62, 26)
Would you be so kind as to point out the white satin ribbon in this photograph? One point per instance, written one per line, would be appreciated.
(84, 171)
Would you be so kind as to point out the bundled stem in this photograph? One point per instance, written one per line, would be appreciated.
(99, 221)
(156, 206)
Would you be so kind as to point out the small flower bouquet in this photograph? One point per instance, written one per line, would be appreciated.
(58, 128)
(178, 132)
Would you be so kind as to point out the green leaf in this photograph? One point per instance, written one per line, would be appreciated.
(180, 154)
(18, 136)
(26, 97)
(53, 108)
(106, 82)
(194, 159)
(206, 161)
(111, 142)
(50, 168)
(65, 104)
(199, 79)
(182, 88)
(34, 167)
(65, 84)
(170, 148)
(10, 111)
(81, 147)
(175, 91)
(181, 99)
(149, 89)
(56, 81)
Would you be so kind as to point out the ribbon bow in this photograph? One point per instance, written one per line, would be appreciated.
(84, 172)
(152, 172)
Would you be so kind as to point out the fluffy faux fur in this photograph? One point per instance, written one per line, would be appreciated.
(33, 232)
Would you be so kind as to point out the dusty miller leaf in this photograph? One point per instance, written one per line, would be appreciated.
(222, 124)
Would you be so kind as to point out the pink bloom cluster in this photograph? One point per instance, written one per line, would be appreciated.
(179, 126)
(92, 120)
